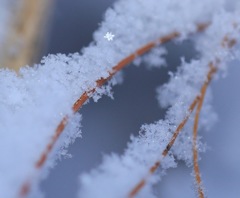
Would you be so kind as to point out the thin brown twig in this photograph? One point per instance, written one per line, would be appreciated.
(86, 95)
(226, 43)
(212, 70)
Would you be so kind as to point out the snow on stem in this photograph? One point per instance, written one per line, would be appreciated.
(86, 95)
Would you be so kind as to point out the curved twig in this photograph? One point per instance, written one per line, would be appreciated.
(226, 43)
(212, 70)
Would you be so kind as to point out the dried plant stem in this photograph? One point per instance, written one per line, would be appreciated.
(212, 70)
(22, 43)
(86, 95)
(226, 43)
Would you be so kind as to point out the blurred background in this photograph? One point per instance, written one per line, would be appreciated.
(107, 125)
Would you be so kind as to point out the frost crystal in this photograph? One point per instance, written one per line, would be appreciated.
(109, 36)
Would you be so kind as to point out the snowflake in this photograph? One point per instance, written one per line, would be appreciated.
(109, 36)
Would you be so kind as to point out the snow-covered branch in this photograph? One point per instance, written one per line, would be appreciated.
(39, 106)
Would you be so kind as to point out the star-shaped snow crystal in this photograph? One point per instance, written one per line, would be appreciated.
(109, 36)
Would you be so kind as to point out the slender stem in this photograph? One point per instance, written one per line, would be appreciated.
(226, 43)
(195, 130)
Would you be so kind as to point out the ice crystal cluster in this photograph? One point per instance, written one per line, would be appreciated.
(33, 102)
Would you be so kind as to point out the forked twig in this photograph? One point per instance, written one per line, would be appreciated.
(226, 43)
